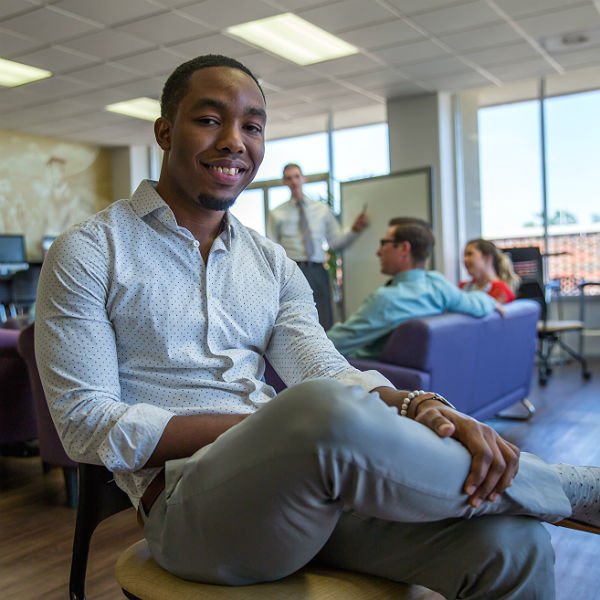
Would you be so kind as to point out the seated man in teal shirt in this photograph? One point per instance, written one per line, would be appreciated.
(411, 293)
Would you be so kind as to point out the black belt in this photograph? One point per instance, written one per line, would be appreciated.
(307, 263)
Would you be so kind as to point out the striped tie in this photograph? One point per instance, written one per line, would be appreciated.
(305, 231)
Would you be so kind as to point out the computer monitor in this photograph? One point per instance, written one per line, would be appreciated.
(12, 249)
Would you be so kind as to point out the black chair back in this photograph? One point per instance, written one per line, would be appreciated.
(99, 498)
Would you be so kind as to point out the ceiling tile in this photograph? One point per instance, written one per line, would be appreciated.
(101, 97)
(389, 33)
(57, 87)
(579, 59)
(110, 12)
(456, 18)
(519, 8)
(12, 44)
(150, 87)
(9, 8)
(341, 67)
(319, 91)
(498, 55)
(294, 76)
(395, 89)
(435, 68)
(224, 13)
(155, 61)
(482, 37)
(104, 75)
(410, 7)
(55, 59)
(375, 79)
(46, 25)
(458, 82)
(298, 5)
(263, 64)
(522, 69)
(562, 21)
(11, 98)
(108, 44)
(212, 44)
(165, 28)
(410, 53)
(344, 15)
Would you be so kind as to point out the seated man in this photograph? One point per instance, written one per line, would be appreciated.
(153, 319)
(411, 293)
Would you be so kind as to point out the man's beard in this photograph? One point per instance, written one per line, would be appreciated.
(217, 204)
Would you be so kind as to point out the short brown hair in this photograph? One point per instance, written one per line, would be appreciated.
(418, 233)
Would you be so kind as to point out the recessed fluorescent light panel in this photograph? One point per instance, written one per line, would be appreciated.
(293, 38)
(140, 108)
(13, 73)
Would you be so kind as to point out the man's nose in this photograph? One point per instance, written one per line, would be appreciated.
(230, 138)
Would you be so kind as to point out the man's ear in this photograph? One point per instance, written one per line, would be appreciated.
(162, 133)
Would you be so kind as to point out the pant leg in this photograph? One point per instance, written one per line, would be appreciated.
(318, 279)
(487, 558)
(265, 497)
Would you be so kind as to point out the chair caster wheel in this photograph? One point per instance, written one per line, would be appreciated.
(542, 381)
(586, 375)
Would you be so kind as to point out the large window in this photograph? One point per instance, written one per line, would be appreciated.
(511, 182)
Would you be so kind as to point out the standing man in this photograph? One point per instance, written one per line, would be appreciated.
(154, 317)
(303, 227)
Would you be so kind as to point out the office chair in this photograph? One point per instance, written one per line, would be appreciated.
(584, 288)
(141, 578)
(528, 264)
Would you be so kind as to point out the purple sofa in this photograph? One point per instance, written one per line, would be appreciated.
(18, 428)
(481, 365)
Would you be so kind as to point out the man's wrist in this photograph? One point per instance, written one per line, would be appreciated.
(426, 397)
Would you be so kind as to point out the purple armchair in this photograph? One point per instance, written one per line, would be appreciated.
(52, 452)
(18, 429)
(481, 365)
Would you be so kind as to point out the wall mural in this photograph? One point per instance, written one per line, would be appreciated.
(46, 185)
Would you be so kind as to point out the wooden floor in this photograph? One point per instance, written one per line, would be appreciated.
(36, 527)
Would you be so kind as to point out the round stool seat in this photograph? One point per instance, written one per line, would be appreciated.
(142, 578)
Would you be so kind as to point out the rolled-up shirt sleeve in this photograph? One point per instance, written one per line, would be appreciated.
(77, 356)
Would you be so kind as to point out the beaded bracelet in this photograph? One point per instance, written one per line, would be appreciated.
(409, 398)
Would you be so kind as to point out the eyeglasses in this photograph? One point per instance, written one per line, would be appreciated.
(383, 242)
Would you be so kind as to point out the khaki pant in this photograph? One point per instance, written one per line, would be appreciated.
(331, 473)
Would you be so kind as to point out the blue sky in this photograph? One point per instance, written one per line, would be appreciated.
(510, 163)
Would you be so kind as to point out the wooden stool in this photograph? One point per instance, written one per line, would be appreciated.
(142, 579)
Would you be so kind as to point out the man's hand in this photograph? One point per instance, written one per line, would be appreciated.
(499, 308)
(495, 461)
(361, 222)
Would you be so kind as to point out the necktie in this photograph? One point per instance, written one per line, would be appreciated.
(305, 231)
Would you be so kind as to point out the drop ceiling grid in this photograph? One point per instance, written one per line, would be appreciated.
(105, 51)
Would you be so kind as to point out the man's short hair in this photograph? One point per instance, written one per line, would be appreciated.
(176, 86)
(291, 166)
(418, 233)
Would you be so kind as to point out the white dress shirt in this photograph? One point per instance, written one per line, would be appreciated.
(283, 226)
(133, 327)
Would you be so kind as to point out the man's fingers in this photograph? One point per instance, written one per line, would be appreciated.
(436, 421)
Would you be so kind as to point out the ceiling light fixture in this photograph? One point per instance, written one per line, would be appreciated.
(13, 73)
(293, 38)
(140, 108)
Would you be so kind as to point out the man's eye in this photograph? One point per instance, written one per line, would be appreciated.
(207, 121)
(254, 128)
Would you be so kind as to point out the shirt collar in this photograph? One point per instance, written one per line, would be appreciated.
(146, 200)
(411, 275)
